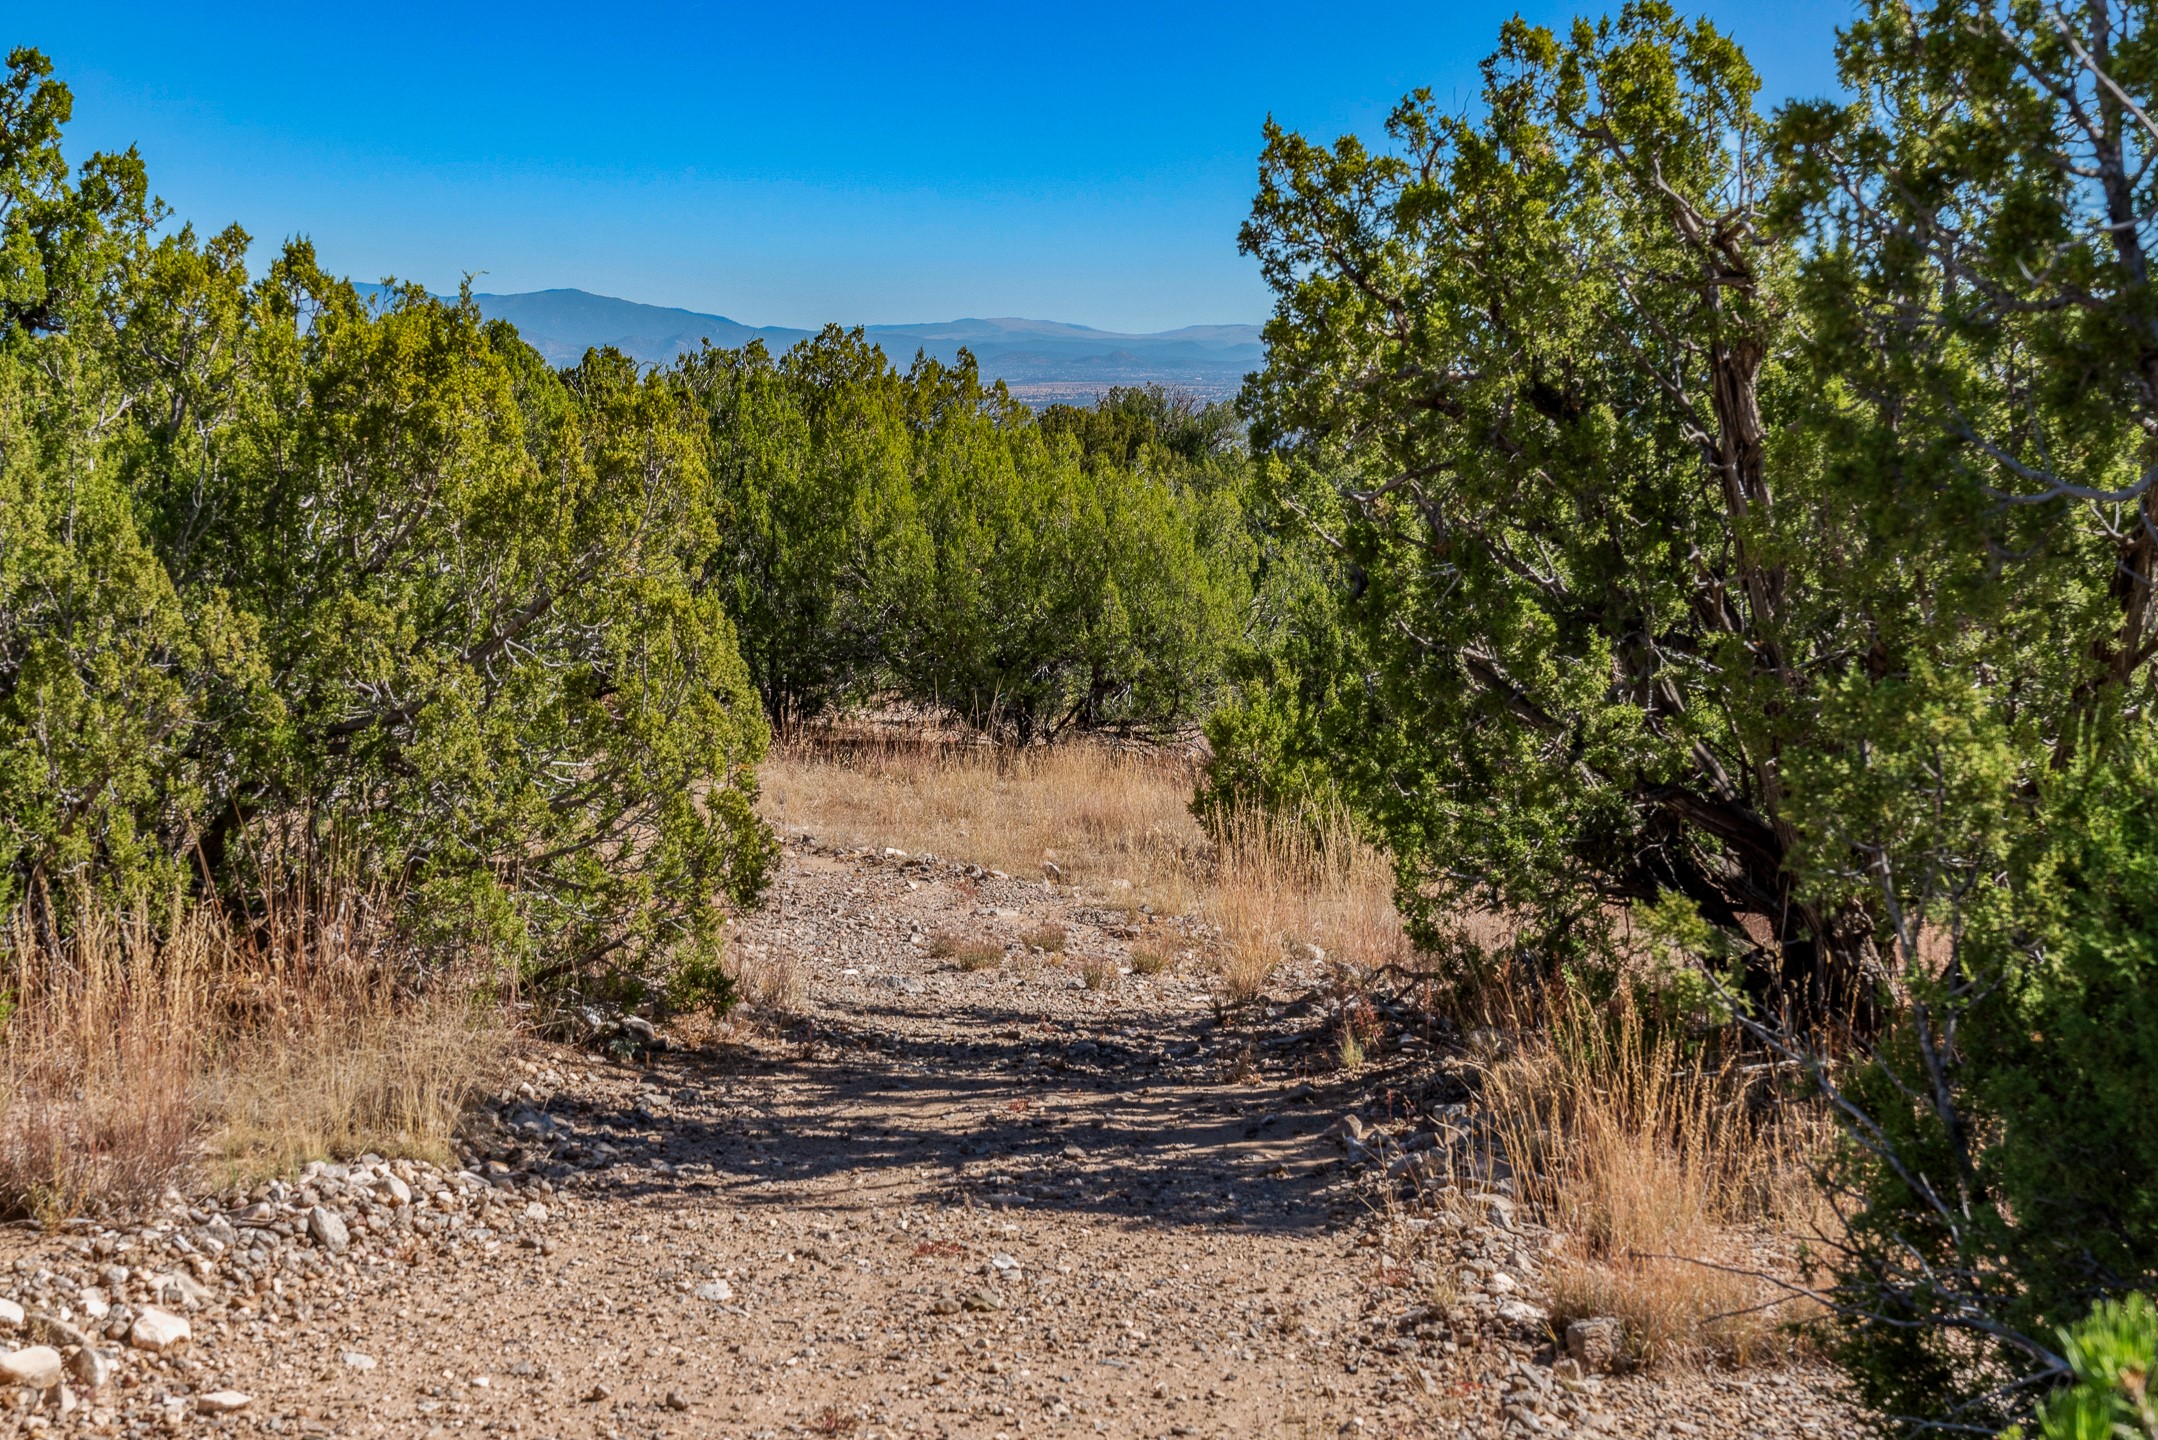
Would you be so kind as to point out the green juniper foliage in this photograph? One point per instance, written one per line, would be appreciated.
(282, 569)
(1529, 386)
(919, 536)
(1976, 229)
(275, 564)
(1706, 522)
(2110, 1357)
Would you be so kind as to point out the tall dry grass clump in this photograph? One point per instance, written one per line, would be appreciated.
(102, 1045)
(336, 1039)
(768, 980)
(1287, 886)
(142, 1048)
(1670, 1186)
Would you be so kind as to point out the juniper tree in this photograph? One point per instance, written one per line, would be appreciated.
(1543, 353)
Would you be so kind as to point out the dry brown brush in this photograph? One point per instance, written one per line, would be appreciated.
(1678, 1183)
(147, 1048)
(1099, 813)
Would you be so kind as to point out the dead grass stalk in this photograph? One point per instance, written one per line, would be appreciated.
(1308, 890)
(1668, 1185)
(144, 1047)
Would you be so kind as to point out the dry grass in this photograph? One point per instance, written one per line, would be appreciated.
(1049, 939)
(1309, 894)
(768, 980)
(1349, 1047)
(143, 1049)
(1665, 1183)
(965, 953)
(978, 956)
(1097, 973)
(103, 1044)
(1098, 814)
(1113, 820)
(1150, 960)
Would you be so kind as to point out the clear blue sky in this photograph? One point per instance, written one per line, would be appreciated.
(779, 163)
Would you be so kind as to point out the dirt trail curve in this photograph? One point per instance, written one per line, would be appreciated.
(989, 1203)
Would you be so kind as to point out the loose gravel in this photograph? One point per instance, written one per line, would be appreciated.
(1042, 1196)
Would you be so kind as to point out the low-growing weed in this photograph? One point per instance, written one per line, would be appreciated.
(1349, 1046)
(1146, 960)
(972, 955)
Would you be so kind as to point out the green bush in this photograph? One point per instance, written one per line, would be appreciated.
(2006, 1175)
(1293, 734)
(2109, 1358)
(1755, 524)
(1061, 594)
(921, 537)
(284, 572)
(1579, 609)
(812, 463)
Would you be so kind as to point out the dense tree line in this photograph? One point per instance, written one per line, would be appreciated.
(917, 536)
(1743, 527)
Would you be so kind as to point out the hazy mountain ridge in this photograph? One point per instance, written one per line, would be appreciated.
(1042, 360)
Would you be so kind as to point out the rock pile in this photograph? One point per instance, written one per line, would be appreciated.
(108, 1315)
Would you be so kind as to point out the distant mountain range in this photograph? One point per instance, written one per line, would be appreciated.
(1042, 361)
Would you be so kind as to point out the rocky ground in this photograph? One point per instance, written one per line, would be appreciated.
(1041, 1196)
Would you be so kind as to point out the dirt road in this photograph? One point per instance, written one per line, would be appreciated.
(941, 1202)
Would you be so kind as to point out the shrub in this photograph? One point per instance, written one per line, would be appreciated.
(811, 462)
(1150, 960)
(1749, 530)
(920, 535)
(2005, 1182)
(1058, 593)
(2109, 1358)
(1513, 653)
(285, 573)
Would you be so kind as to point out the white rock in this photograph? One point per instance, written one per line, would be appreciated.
(94, 1303)
(717, 1291)
(535, 1211)
(37, 1366)
(91, 1367)
(157, 1330)
(1520, 1312)
(354, 1360)
(10, 1314)
(177, 1287)
(393, 1190)
(328, 1228)
(222, 1402)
